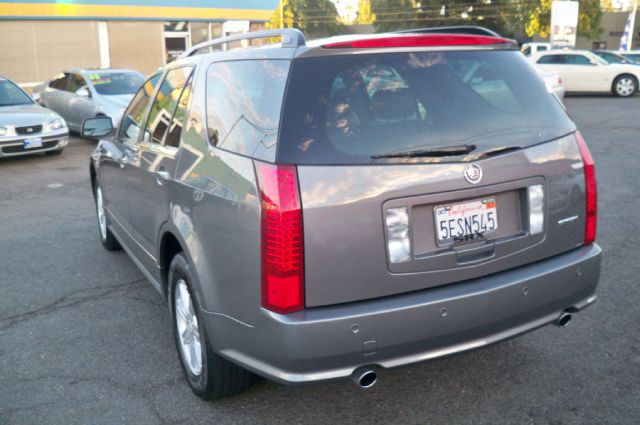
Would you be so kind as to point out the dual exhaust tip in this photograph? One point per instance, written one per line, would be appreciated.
(365, 377)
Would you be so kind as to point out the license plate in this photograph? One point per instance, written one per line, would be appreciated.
(466, 221)
(34, 142)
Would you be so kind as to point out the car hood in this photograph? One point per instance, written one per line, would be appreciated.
(119, 101)
(114, 105)
(22, 115)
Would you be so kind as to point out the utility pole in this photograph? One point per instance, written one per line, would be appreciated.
(282, 14)
(633, 25)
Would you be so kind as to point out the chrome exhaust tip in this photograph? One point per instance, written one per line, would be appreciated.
(563, 320)
(364, 377)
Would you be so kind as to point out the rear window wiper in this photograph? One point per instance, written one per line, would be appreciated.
(499, 151)
(435, 152)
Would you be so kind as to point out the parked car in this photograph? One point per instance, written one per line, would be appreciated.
(405, 198)
(633, 55)
(612, 57)
(533, 48)
(554, 83)
(582, 71)
(25, 126)
(79, 94)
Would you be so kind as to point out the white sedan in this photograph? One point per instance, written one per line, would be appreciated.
(582, 71)
(554, 84)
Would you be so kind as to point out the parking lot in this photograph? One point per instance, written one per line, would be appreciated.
(85, 339)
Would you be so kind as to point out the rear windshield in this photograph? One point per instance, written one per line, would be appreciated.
(115, 83)
(346, 109)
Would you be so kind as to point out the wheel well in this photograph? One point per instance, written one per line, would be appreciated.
(613, 85)
(169, 247)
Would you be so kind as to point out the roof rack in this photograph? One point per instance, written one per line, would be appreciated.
(456, 29)
(291, 37)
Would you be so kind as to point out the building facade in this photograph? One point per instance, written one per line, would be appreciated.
(612, 25)
(39, 38)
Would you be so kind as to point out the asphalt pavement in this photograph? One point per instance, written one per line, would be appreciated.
(85, 339)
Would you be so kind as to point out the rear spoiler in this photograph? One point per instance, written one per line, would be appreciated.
(456, 29)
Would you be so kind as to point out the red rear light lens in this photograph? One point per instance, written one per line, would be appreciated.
(424, 40)
(282, 243)
(591, 190)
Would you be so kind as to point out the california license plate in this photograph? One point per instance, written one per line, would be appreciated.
(466, 221)
(33, 142)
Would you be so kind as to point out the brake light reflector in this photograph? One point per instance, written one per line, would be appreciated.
(423, 40)
(282, 255)
(536, 209)
(590, 189)
(398, 240)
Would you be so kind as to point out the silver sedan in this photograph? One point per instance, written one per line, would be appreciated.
(25, 126)
(79, 94)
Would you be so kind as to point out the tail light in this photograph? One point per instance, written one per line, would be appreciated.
(591, 190)
(282, 245)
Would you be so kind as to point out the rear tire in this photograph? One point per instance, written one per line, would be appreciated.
(209, 376)
(625, 85)
(107, 238)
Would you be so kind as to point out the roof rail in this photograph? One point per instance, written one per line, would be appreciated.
(456, 29)
(291, 37)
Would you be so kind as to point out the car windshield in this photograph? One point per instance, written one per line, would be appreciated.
(595, 58)
(359, 107)
(11, 95)
(611, 57)
(115, 83)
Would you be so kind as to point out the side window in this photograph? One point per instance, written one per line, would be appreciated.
(76, 81)
(244, 99)
(175, 128)
(132, 117)
(165, 104)
(59, 82)
(551, 59)
(578, 60)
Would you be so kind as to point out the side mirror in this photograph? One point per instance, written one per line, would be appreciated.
(83, 92)
(97, 127)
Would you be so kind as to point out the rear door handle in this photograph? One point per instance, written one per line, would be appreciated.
(162, 176)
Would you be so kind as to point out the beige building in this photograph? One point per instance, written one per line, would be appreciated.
(612, 24)
(38, 40)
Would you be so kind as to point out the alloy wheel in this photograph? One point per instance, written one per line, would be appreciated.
(102, 219)
(187, 328)
(625, 86)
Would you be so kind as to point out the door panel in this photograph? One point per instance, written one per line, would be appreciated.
(124, 151)
(151, 172)
(79, 108)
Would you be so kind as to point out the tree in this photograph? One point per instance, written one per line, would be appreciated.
(317, 17)
(535, 19)
(393, 15)
(365, 16)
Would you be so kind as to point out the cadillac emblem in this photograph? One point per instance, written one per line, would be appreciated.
(473, 173)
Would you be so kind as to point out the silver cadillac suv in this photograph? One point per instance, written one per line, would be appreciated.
(329, 209)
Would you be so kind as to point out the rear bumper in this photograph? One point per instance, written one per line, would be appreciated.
(331, 342)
